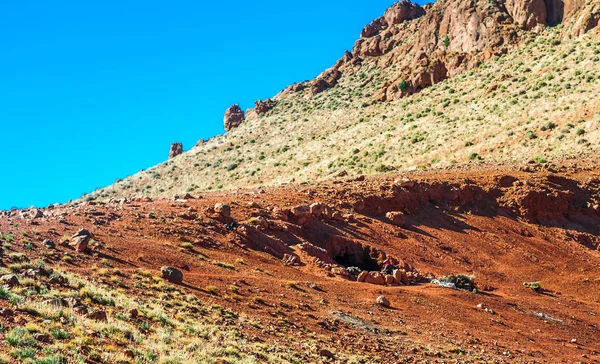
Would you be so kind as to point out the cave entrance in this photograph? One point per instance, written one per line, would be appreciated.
(359, 257)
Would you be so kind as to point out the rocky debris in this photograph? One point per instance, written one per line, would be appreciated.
(99, 316)
(9, 280)
(223, 210)
(397, 218)
(320, 256)
(81, 240)
(382, 301)
(362, 276)
(340, 271)
(175, 150)
(291, 260)
(172, 275)
(234, 116)
(49, 243)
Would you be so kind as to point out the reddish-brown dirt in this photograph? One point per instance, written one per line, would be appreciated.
(503, 225)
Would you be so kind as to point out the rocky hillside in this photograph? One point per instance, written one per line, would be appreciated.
(448, 84)
(150, 280)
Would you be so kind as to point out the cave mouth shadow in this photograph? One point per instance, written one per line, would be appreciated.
(359, 257)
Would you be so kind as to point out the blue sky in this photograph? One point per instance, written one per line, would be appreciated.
(92, 91)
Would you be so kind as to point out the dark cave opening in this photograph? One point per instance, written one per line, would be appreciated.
(359, 257)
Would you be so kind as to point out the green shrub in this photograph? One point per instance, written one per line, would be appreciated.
(403, 85)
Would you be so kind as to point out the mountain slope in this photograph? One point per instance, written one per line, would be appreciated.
(536, 97)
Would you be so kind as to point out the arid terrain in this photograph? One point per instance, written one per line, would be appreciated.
(458, 140)
(278, 288)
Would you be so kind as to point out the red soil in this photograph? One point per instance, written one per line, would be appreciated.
(505, 227)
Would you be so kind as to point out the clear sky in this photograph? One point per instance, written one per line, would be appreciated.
(92, 91)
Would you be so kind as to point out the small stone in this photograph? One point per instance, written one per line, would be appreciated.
(80, 310)
(45, 338)
(382, 301)
(133, 313)
(49, 243)
(10, 280)
(128, 353)
(326, 353)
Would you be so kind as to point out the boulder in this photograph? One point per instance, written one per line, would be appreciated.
(234, 116)
(318, 208)
(382, 301)
(82, 232)
(362, 276)
(35, 213)
(389, 279)
(401, 277)
(223, 209)
(172, 275)
(301, 213)
(397, 218)
(81, 243)
(375, 278)
(175, 150)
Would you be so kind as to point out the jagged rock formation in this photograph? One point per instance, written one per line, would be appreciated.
(175, 150)
(234, 116)
(260, 108)
(421, 46)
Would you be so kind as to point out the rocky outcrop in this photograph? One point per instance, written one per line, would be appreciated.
(176, 149)
(260, 108)
(326, 80)
(263, 107)
(234, 116)
(403, 11)
(527, 13)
